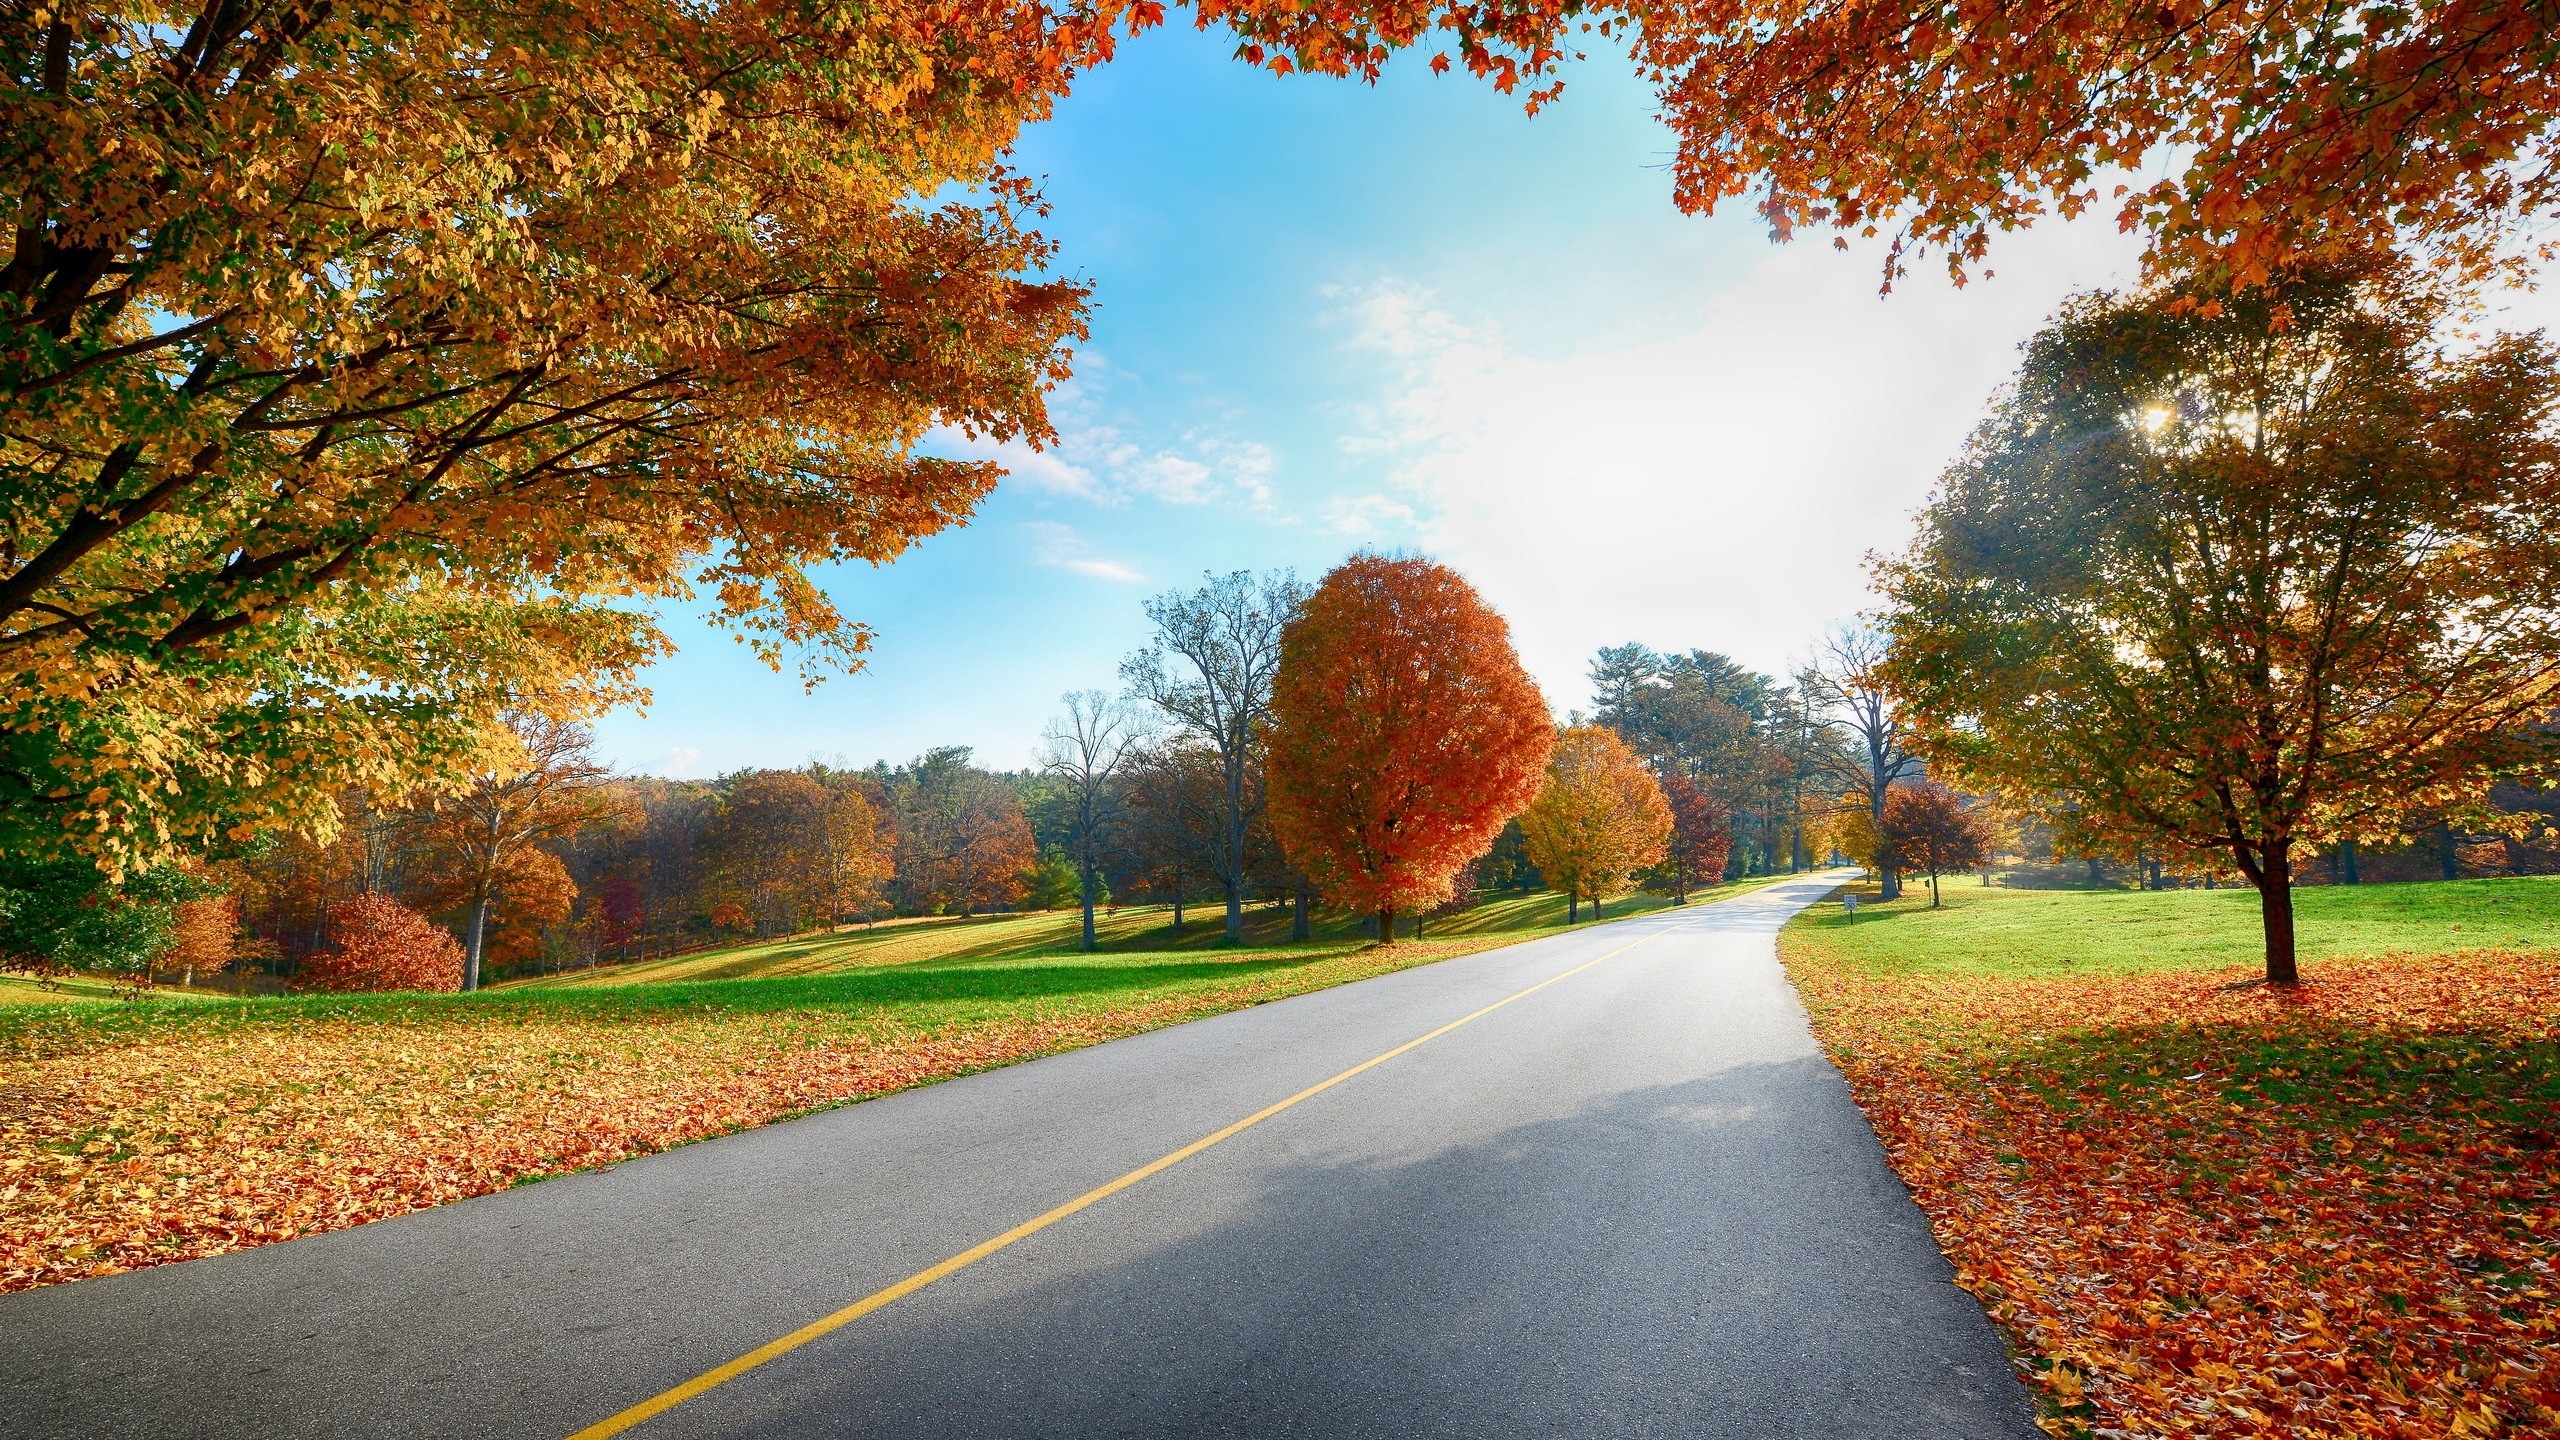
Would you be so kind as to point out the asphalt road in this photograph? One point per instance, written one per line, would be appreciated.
(1635, 1203)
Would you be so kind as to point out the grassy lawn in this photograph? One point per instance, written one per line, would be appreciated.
(2199, 1206)
(161, 1128)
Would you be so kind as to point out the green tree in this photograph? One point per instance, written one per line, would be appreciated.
(2237, 581)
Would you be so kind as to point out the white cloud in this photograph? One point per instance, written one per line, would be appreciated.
(1715, 489)
(679, 761)
(1094, 460)
(1061, 548)
(1365, 517)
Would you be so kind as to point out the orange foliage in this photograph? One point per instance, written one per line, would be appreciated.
(205, 937)
(1404, 733)
(2315, 1210)
(2298, 127)
(1598, 818)
(383, 945)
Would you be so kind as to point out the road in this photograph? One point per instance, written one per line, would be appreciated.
(1634, 1202)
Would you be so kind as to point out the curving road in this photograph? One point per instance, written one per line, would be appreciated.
(1635, 1202)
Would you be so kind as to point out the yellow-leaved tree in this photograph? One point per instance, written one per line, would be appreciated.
(1599, 818)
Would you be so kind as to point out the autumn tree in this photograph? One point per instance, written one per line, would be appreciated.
(1209, 669)
(1929, 828)
(1172, 821)
(1849, 682)
(2231, 585)
(1403, 734)
(552, 789)
(2292, 129)
(384, 945)
(204, 934)
(62, 916)
(963, 842)
(1086, 750)
(354, 358)
(1695, 852)
(1599, 817)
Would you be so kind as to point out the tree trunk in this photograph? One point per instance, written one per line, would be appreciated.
(1235, 848)
(1933, 889)
(2275, 912)
(479, 925)
(2348, 853)
(1596, 916)
(1087, 868)
(2446, 854)
(1298, 918)
(1573, 907)
(1386, 925)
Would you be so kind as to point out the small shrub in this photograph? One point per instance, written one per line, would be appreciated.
(384, 945)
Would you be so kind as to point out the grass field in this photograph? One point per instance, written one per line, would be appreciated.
(140, 1131)
(2026, 933)
(2203, 1206)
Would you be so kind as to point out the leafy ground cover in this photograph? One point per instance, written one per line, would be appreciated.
(2199, 1206)
(142, 1131)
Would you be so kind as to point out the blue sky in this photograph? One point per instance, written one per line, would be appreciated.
(1329, 315)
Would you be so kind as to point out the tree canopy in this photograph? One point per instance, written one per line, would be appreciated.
(2291, 130)
(1404, 734)
(2238, 583)
(357, 357)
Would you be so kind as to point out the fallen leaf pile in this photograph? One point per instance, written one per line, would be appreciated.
(2204, 1207)
(119, 1153)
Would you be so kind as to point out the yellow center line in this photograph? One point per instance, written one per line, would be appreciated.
(708, 1380)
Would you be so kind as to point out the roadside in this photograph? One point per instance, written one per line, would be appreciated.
(145, 1131)
(2201, 1207)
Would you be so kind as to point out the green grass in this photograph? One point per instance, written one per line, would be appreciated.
(917, 974)
(996, 938)
(2024, 933)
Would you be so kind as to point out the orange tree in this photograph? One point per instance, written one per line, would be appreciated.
(355, 356)
(2234, 585)
(1403, 734)
(1599, 817)
(2299, 128)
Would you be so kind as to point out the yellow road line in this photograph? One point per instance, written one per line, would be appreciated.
(708, 1380)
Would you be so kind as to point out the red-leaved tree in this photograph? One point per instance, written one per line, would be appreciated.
(384, 945)
(1701, 839)
(1403, 734)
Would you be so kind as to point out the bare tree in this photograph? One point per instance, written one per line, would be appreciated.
(1846, 681)
(1210, 668)
(1086, 748)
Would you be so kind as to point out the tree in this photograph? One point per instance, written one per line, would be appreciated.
(1403, 734)
(1598, 818)
(1700, 841)
(60, 916)
(2231, 585)
(1172, 818)
(1086, 749)
(1849, 681)
(553, 789)
(963, 843)
(384, 945)
(355, 358)
(1928, 827)
(204, 935)
(1210, 668)
(2298, 128)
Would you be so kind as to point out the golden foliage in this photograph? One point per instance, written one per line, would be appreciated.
(1599, 818)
